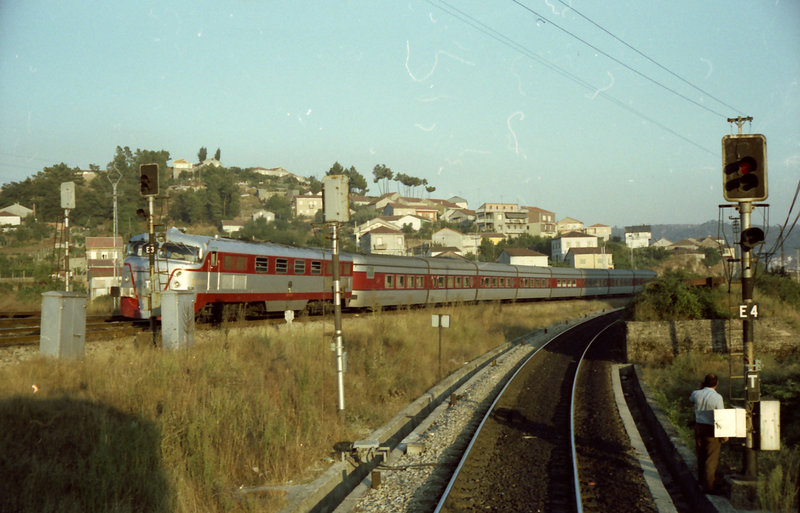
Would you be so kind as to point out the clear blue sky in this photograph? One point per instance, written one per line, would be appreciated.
(494, 101)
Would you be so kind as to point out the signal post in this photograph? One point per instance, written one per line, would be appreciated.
(336, 207)
(744, 180)
(148, 182)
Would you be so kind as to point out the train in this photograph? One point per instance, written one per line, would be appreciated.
(232, 277)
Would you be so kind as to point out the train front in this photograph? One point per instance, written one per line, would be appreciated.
(176, 256)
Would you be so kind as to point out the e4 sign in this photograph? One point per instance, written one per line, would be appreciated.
(748, 311)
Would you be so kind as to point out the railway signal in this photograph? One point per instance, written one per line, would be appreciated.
(744, 167)
(148, 179)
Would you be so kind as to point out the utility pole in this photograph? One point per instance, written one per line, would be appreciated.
(114, 182)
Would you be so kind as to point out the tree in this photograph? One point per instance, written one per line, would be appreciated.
(382, 176)
(217, 155)
(202, 155)
(357, 183)
(314, 185)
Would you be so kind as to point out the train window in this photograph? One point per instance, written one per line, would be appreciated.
(213, 258)
(410, 281)
(401, 281)
(388, 281)
(228, 262)
(262, 264)
(420, 282)
(299, 266)
(458, 282)
(370, 272)
(494, 282)
(316, 267)
(136, 248)
(178, 251)
(449, 282)
(346, 268)
(281, 265)
(468, 282)
(440, 279)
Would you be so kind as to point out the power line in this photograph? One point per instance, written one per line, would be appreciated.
(494, 34)
(593, 47)
(650, 59)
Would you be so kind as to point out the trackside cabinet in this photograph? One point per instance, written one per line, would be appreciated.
(177, 318)
(63, 326)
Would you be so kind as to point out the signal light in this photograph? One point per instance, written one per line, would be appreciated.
(148, 179)
(744, 167)
(751, 237)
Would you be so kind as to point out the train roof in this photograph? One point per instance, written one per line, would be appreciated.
(224, 244)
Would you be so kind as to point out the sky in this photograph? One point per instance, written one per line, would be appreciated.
(607, 112)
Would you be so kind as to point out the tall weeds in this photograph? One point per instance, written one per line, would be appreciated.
(240, 408)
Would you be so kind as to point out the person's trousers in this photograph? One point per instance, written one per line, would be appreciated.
(708, 449)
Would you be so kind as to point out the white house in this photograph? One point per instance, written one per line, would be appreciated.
(180, 166)
(589, 258)
(601, 231)
(466, 242)
(522, 256)
(306, 205)
(263, 214)
(637, 236)
(569, 224)
(231, 226)
(561, 245)
(9, 219)
(383, 241)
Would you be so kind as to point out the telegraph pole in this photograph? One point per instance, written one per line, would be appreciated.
(744, 179)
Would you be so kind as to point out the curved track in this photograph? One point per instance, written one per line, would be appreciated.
(521, 459)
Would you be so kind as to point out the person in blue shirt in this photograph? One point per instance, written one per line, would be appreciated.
(706, 400)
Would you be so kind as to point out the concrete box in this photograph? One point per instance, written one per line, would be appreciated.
(63, 325)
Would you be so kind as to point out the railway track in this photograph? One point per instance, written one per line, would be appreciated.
(23, 328)
(550, 442)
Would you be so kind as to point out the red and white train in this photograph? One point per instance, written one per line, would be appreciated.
(227, 274)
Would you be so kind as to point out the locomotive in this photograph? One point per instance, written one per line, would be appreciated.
(228, 275)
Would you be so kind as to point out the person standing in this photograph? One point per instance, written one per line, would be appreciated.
(706, 400)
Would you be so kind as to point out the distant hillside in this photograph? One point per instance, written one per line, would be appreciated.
(676, 232)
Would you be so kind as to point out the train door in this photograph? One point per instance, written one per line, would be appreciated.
(213, 271)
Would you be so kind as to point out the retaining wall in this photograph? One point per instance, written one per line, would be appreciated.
(663, 340)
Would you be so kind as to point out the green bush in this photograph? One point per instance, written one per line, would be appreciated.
(782, 287)
(671, 297)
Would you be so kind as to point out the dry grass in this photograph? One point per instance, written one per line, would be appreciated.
(133, 427)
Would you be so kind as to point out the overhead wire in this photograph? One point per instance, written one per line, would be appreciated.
(630, 68)
(721, 102)
(505, 40)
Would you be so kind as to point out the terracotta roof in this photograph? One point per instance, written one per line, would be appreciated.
(103, 242)
(522, 252)
(384, 229)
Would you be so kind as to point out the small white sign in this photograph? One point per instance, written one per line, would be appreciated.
(730, 422)
(443, 320)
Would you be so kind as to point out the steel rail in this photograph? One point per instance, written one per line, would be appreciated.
(576, 480)
(488, 414)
